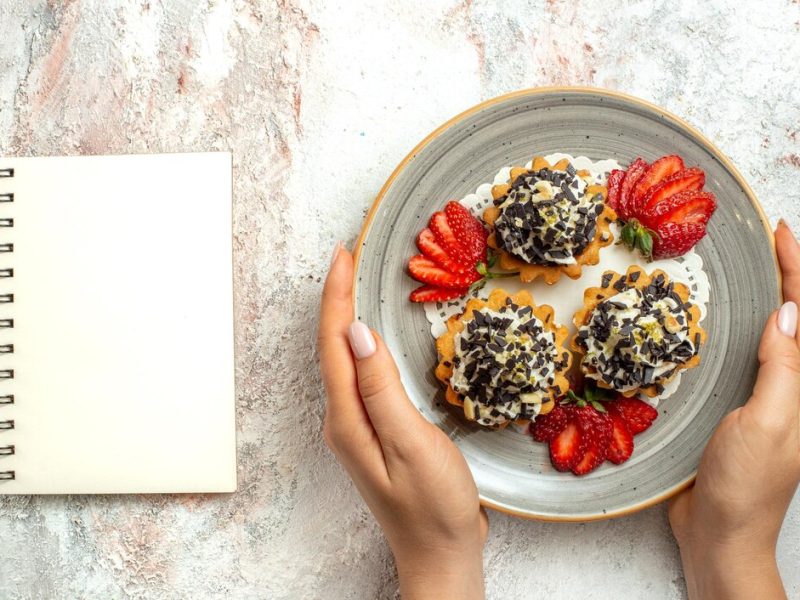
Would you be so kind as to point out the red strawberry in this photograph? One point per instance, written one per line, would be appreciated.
(430, 293)
(690, 206)
(468, 231)
(675, 239)
(545, 427)
(427, 244)
(658, 171)
(425, 270)
(634, 173)
(596, 431)
(687, 179)
(446, 236)
(568, 447)
(615, 179)
(638, 415)
(621, 446)
(592, 458)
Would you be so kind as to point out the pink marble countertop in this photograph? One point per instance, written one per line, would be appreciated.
(286, 85)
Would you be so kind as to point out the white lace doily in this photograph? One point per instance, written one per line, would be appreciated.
(566, 296)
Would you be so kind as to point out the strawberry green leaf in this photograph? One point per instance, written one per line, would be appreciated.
(598, 407)
(628, 234)
(477, 285)
(644, 242)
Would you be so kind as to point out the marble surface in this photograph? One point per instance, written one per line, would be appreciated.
(318, 100)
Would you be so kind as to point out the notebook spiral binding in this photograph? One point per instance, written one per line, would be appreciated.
(5, 423)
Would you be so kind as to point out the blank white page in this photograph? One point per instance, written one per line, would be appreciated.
(123, 324)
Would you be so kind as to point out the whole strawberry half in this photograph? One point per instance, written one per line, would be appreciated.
(584, 431)
(454, 256)
(663, 206)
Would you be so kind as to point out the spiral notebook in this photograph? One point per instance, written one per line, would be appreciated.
(116, 325)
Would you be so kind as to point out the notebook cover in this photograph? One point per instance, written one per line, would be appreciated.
(123, 324)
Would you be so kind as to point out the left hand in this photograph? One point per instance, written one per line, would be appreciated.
(411, 475)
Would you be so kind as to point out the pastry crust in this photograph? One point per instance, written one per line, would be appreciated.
(595, 295)
(446, 349)
(550, 273)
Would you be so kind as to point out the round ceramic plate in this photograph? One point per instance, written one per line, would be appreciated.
(514, 474)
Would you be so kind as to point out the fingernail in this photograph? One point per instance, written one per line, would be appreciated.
(787, 319)
(782, 223)
(361, 340)
(336, 249)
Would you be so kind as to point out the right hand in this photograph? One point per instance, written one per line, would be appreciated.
(727, 525)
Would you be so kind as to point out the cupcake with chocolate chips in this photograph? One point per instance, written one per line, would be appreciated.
(637, 331)
(503, 359)
(549, 220)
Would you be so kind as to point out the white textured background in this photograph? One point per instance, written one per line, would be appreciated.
(318, 100)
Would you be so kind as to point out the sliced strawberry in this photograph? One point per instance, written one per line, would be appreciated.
(675, 239)
(545, 427)
(687, 179)
(620, 447)
(634, 173)
(425, 270)
(657, 172)
(430, 293)
(593, 457)
(427, 244)
(568, 447)
(447, 237)
(638, 415)
(689, 206)
(596, 432)
(468, 231)
(615, 179)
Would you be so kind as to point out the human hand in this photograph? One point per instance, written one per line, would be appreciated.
(727, 525)
(411, 475)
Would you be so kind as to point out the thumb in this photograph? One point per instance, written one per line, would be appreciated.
(777, 388)
(391, 412)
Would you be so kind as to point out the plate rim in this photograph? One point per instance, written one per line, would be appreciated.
(601, 92)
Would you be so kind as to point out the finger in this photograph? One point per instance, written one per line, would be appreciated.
(394, 417)
(484, 518)
(789, 258)
(777, 390)
(347, 426)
